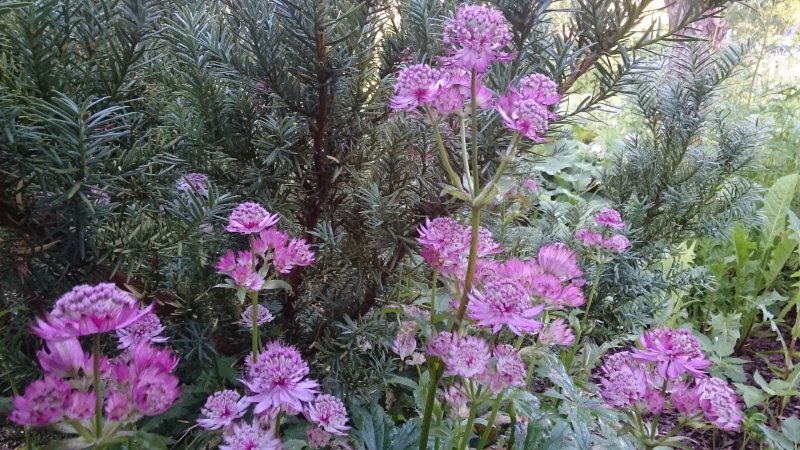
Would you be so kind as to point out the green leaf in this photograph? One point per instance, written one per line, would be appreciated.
(278, 284)
(726, 331)
(778, 258)
(776, 439)
(762, 383)
(791, 429)
(776, 207)
(752, 396)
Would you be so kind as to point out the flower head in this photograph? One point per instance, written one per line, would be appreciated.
(557, 332)
(560, 261)
(317, 437)
(81, 405)
(617, 244)
(468, 356)
(329, 413)
(675, 352)
(246, 277)
(278, 379)
(455, 90)
(144, 356)
(541, 88)
(589, 238)
(415, 86)
(269, 239)
(296, 253)
(221, 409)
(684, 399)
(63, 359)
(719, 403)
(245, 436)
(526, 116)
(193, 182)
(624, 384)
(250, 218)
(509, 370)
(476, 37)
(89, 310)
(405, 343)
(264, 316)
(155, 391)
(45, 402)
(457, 400)
(443, 244)
(504, 303)
(609, 218)
(118, 406)
(146, 329)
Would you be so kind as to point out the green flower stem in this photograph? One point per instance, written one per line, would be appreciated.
(436, 371)
(454, 179)
(512, 415)
(490, 423)
(98, 387)
(501, 169)
(465, 157)
(473, 259)
(597, 272)
(254, 331)
(473, 410)
(474, 117)
(433, 296)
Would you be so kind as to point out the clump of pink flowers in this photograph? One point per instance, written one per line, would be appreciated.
(604, 235)
(136, 383)
(476, 37)
(668, 372)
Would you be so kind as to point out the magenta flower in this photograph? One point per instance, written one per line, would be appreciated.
(89, 310)
(531, 185)
(296, 253)
(278, 379)
(589, 238)
(250, 218)
(653, 401)
(504, 303)
(155, 391)
(245, 277)
(443, 244)
(221, 409)
(455, 91)
(45, 402)
(81, 405)
(476, 37)
(541, 88)
(193, 182)
(624, 384)
(509, 370)
(264, 316)
(528, 117)
(146, 329)
(440, 344)
(250, 437)
(63, 359)
(226, 263)
(269, 239)
(144, 356)
(609, 218)
(684, 399)
(675, 352)
(560, 261)
(329, 413)
(617, 244)
(557, 332)
(416, 85)
(468, 356)
(118, 406)
(719, 403)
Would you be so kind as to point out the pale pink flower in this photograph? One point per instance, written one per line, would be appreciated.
(87, 310)
(244, 436)
(269, 239)
(541, 88)
(250, 218)
(264, 316)
(617, 244)
(296, 253)
(329, 413)
(458, 401)
(443, 244)
(146, 329)
(684, 399)
(404, 342)
(221, 409)
(487, 246)
(118, 406)
(609, 218)
(416, 359)
(675, 352)
(63, 359)
(509, 370)
(245, 277)
(278, 379)
(317, 438)
(81, 405)
(44, 402)
(468, 356)
(476, 37)
(193, 182)
(589, 238)
(455, 91)
(504, 303)
(557, 332)
(653, 401)
(560, 261)
(416, 85)
(719, 403)
(531, 185)
(154, 391)
(624, 384)
(440, 344)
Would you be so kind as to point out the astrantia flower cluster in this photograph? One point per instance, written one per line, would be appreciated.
(138, 382)
(276, 382)
(477, 37)
(669, 372)
(527, 109)
(604, 235)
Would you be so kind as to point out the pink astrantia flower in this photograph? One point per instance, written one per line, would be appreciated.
(146, 329)
(250, 218)
(269, 239)
(560, 261)
(245, 436)
(416, 85)
(719, 403)
(81, 405)
(609, 218)
(89, 310)
(509, 370)
(329, 413)
(193, 182)
(63, 359)
(144, 356)
(117, 406)
(468, 356)
(589, 238)
(278, 379)
(675, 352)
(617, 244)
(296, 253)
(455, 91)
(526, 116)
(557, 332)
(624, 384)
(264, 316)
(443, 244)
(531, 185)
(317, 438)
(504, 303)
(476, 37)
(245, 277)
(221, 409)
(440, 344)
(653, 401)
(458, 401)
(405, 343)
(541, 88)
(684, 399)
(226, 263)
(155, 391)
(44, 402)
